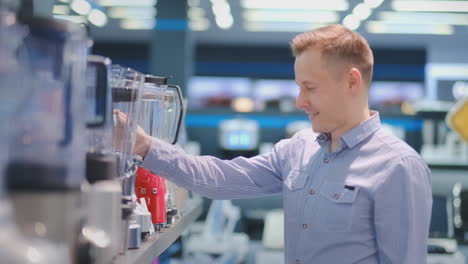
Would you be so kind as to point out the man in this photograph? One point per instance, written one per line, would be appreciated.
(354, 194)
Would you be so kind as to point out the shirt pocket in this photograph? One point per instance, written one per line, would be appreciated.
(336, 204)
(295, 180)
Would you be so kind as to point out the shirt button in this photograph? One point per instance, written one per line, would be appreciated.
(305, 226)
(336, 196)
(312, 192)
(326, 160)
(298, 261)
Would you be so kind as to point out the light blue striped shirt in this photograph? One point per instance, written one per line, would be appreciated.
(368, 202)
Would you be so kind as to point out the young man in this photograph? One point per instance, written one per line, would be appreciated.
(354, 194)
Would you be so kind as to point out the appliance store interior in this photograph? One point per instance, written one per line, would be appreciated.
(209, 78)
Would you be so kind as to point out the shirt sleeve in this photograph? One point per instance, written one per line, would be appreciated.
(402, 212)
(215, 178)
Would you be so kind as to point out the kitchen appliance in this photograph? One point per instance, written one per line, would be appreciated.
(45, 167)
(13, 245)
(162, 109)
(126, 98)
(161, 117)
(152, 188)
(103, 195)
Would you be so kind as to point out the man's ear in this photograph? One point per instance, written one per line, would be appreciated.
(354, 81)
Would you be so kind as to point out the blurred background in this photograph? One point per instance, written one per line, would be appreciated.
(233, 63)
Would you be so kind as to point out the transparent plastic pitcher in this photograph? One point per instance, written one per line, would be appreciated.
(100, 158)
(48, 143)
(12, 75)
(126, 98)
(162, 109)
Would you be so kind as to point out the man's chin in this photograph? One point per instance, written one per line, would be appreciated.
(319, 130)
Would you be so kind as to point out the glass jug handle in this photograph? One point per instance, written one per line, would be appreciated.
(103, 98)
(181, 112)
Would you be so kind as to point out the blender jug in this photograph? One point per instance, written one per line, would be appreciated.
(162, 109)
(47, 152)
(126, 98)
(103, 195)
(13, 249)
(100, 158)
(160, 117)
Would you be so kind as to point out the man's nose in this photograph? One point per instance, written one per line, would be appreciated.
(301, 103)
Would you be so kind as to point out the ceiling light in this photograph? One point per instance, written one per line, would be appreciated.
(61, 10)
(291, 16)
(132, 12)
(352, 22)
(222, 13)
(81, 7)
(64, 1)
(97, 18)
(74, 19)
(127, 2)
(221, 7)
(137, 24)
(196, 12)
(424, 18)
(281, 26)
(380, 27)
(224, 22)
(338, 5)
(199, 24)
(362, 11)
(430, 6)
(373, 3)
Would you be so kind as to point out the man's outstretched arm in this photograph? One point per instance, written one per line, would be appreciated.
(216, 178)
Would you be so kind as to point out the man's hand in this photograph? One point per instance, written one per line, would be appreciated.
(142, 140)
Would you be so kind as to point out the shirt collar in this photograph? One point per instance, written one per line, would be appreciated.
(357, 134)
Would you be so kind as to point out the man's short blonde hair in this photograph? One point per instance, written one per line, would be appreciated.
(338, 44)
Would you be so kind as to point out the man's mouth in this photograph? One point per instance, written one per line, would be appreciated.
(313, 114)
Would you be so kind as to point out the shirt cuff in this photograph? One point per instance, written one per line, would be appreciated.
(159, 156)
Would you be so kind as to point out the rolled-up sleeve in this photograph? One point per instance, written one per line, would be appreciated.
(402, 212)
(216, 178)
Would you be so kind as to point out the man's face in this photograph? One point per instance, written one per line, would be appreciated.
(322, 91)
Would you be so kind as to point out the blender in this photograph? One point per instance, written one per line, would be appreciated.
(160, 117)
(126, 98)
(46, 163)
(103, 194)
(14, 248)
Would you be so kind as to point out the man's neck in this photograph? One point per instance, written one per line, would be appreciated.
(350, 124)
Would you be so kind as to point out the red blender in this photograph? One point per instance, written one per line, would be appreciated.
(152, 188)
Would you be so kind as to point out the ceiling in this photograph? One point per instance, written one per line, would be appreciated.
(275, 22)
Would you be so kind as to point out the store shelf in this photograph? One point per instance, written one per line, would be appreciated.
(157, 244)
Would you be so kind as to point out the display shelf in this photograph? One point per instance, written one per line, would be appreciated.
(151, 248)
